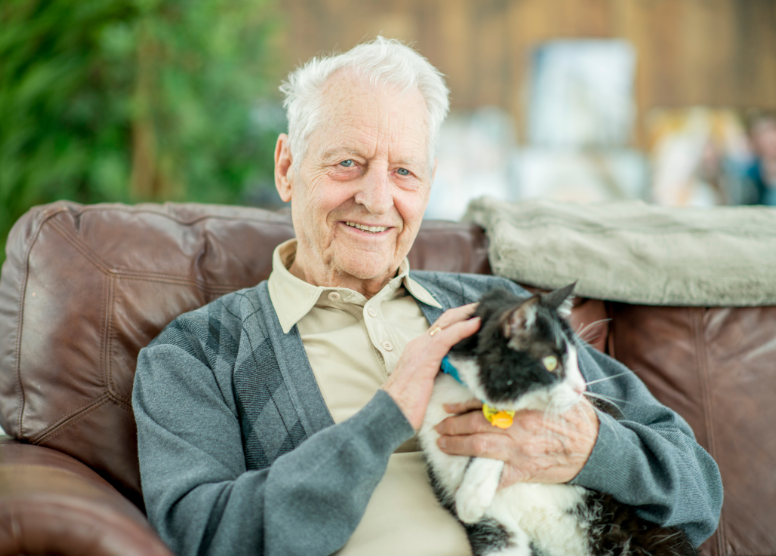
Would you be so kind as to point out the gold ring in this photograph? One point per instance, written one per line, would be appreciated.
(434, 330)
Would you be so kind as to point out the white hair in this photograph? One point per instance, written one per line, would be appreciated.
(381, 62)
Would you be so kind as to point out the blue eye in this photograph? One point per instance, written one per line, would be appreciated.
(347, 163)
(403, 172)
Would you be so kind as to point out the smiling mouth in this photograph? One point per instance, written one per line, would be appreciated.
(371, 229)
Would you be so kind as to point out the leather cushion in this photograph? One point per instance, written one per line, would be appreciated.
(715, 366)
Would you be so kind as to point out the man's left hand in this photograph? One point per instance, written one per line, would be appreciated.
(534, 449)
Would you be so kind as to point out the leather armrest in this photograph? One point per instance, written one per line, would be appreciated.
(50, 503)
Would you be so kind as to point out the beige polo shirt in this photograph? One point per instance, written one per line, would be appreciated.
(353, 344)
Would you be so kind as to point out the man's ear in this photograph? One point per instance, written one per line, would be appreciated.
(283, 167)
(433, 170)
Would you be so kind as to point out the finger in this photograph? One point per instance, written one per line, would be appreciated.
(457, 314)
(427, 351)
(447, 337)
(472, 422)
(486, 445)
(463, 407)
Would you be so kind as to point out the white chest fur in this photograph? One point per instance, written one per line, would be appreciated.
(543, 513)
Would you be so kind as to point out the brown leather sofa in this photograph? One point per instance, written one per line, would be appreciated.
(85, 287)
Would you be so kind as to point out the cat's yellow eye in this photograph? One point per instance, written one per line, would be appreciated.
(550, 363)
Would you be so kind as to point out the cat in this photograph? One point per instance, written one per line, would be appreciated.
(525, 357)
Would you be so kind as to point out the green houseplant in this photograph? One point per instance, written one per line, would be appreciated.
(135, 100)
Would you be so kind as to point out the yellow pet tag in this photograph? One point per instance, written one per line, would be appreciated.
(498, 418)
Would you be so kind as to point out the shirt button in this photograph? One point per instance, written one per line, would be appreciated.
(372, 312)
(334, 296)
(387, 345)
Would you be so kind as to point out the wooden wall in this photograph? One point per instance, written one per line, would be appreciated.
(690, 52)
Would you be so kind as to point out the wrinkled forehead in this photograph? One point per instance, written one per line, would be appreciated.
(346, 87)
(354, 110)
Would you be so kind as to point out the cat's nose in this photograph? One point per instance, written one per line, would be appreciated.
(579, 387)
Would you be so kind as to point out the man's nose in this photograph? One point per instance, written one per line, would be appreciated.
(375, 192)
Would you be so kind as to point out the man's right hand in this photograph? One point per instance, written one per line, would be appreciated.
(412, 380)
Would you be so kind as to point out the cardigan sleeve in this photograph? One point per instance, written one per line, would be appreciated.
(649, 459)
(199, 495)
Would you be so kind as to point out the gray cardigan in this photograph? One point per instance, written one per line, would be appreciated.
(239, 454)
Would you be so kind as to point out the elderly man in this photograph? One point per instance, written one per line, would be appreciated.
(280, 419)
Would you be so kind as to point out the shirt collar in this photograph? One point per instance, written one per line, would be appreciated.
(293, 298)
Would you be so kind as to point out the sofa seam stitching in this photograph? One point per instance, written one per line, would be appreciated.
(62, 423)
(110, 274)
(81, 247)
(109, 337)
(703, 371)
(18, 348)
(121, 402)
(132, 210)
(105, 339)
(170, 279)
(159, 277)
(103, 266)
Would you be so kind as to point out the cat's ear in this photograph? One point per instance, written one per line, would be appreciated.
(560, 300)
(522, 317)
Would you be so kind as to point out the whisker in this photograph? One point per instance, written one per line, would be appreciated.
(605, 398)
(583, 328)
(551, 411)
(605, 379)
(584, 413)
(590, 339)
(547, 417)
(556, 409)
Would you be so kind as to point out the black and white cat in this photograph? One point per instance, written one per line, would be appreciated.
(524, 357)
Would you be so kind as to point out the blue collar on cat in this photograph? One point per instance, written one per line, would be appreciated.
(448, 368)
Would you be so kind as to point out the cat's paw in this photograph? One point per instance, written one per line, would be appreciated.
(469, 510)
(478, 488)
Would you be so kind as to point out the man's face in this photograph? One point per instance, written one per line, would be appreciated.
(359, 194)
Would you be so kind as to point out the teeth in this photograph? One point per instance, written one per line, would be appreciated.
(373, 229)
